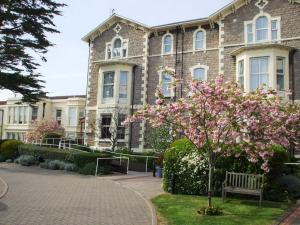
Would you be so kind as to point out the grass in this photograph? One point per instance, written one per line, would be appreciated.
(182, 210)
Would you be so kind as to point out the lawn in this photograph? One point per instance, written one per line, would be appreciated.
(182, 210)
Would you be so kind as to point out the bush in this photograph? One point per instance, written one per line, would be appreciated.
(291, 186)
(210, 211)
(56, 165)
(9, 149)
(81, 159)
(185, 169)
(82, 148)
(88, 169)
(43, 153)
(70, 167)
(25, 160)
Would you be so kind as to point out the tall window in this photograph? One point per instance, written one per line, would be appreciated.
(108, 84)
(250, 33)
(10, 115)
(280, 73)
(121, 128)
(199, 74)
(167, 44)
(123, 85)
(72, 116)
(105, 126)
(259, 72)
(34, 113)
(241, 73)
(16, 115)
(199, 40)
(58, 115)
(117, 48)
(166, 82)
(274, 31)
(262, 28)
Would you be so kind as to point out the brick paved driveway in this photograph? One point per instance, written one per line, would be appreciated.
(44, 197)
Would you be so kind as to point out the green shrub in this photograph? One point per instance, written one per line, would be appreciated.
(88, 169)
(81, 159)
(70, 167)
(291, 186)
(56, 165)
(3, 140)
(185, 169)
(210, 211)
(81, 147)
(9, 149)
(43, 153)
(25, 160)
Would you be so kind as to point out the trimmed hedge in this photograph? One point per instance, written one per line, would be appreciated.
(80, 159)
(43, 153)
(9, 149)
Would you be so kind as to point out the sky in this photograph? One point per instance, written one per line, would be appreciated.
(66, 67)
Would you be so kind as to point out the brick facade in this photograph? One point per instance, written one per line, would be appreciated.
(225, 32)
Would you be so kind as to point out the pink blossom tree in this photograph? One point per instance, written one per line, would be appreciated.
(43, 127)
(216, 114)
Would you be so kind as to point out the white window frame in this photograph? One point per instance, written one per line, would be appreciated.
(102, 102)
(109, 48)
(272, 54)
(76, 116)
(199, 66)
(195, 39)
(161, 72)
(163, 43)
(109, 99)
(254, 34)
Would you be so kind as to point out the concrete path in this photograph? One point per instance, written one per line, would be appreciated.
(45, 197)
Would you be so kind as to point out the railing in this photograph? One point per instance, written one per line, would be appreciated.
(97, 165)
(67, 143)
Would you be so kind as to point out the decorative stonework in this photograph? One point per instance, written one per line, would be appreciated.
(117, 28)
(261, 4)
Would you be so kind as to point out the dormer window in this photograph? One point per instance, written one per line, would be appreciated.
(167, 47)
(263, 28)
(117, 48)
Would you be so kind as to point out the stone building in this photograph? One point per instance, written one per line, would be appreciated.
(254, 42)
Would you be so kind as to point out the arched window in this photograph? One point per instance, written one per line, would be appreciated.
(262, 28)
(199, 40)
(199, 74)
(167, 44)
(117, 47)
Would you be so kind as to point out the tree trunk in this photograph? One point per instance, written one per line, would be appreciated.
(210, 184)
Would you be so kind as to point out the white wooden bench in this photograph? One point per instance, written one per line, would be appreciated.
(242, 183)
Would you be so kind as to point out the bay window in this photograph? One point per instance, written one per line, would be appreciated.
(115, 84)
(34, 113)
(18, 115)
(259, 72)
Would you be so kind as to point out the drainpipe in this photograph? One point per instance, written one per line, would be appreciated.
(2, 120)
(86, 92)
(131, 110)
